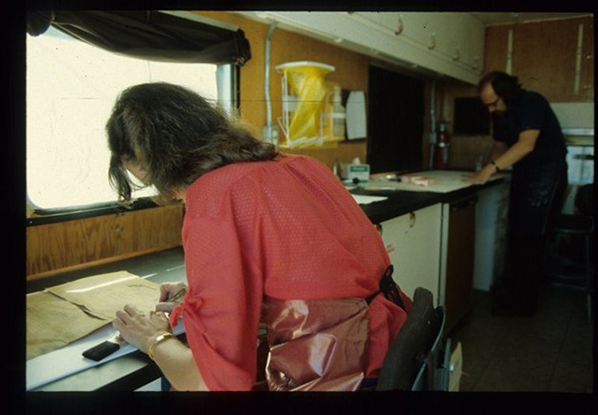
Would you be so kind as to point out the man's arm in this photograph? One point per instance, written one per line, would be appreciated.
(497, 150)
(524, 145)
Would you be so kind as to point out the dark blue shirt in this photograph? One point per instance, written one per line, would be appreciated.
(531, 111)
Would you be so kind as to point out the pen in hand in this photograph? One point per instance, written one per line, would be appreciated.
(111, 345)
(177, 296)
(170, 302)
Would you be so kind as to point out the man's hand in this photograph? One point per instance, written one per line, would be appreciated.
(480, 177)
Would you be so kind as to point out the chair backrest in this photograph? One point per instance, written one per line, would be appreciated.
(434, 371)
(584, 200)
(412, 359)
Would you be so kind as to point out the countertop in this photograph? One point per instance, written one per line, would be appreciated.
(136, 369)
(402, 202)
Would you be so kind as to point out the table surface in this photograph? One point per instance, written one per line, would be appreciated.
(400, 202)
(136, 369)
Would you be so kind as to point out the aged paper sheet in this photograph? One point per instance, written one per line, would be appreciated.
(53, 322)
(102, 295)
(67, 312)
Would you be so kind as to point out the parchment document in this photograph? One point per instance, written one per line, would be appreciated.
(102, 295)
(53, 322)
(68, 312)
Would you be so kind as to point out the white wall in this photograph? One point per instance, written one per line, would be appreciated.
(574, 114)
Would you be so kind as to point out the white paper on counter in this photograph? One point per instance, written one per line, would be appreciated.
(444, 182)
(364, 200)
(69, 360)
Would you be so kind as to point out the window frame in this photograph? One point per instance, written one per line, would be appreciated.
(40, 216)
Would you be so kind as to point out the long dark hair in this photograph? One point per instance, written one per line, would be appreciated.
(177, 136)
(505, 86)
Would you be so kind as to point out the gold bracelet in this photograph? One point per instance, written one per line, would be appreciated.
(154, 342)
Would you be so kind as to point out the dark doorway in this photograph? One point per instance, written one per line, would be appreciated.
(395, 121)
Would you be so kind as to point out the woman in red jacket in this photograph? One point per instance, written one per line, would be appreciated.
(269, 238)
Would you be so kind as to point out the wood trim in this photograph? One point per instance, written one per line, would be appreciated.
(62, 246)
(95, 263)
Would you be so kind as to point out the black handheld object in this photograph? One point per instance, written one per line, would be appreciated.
(101, 351)
(108, 347)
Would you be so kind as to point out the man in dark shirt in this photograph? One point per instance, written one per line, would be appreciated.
(527, 137)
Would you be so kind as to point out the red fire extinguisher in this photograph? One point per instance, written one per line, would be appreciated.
(441, 148)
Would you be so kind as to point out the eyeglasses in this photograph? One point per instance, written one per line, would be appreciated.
(493, 104)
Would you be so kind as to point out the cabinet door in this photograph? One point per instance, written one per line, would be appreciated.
(486, 219)
(490, 235)
(405, 38)
(451, 39)
(460, 261)
(413, 241)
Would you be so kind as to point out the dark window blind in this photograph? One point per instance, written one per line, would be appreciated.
(145, 34)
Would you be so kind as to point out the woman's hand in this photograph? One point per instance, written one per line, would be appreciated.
(167, 291)
(137, 328)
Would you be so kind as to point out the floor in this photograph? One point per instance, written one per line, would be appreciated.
(551, 352)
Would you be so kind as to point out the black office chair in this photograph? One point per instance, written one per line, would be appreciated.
(569, 272)
(418, 358)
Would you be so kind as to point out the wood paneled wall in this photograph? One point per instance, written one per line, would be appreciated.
(543, 59)
(351, 73)
(544, 56)
(64, 246)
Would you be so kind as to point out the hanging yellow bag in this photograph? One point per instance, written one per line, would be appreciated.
(307, 84)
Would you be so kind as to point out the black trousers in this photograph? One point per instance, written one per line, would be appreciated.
(523, 277)
(519, 290)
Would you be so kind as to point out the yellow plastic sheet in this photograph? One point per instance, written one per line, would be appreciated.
(308, 85)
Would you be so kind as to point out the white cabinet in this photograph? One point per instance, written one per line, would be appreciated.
(491, 233)
(414, 242)
(455, 41)
(447, 43)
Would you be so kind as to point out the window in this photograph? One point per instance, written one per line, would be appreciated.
(471, 117)
(71, 88)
